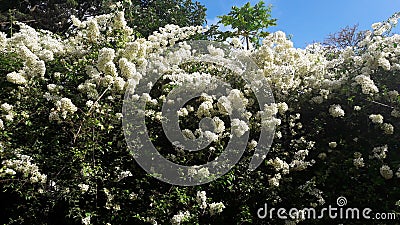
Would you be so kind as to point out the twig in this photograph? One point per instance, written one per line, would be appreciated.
(92, 107)
(381, 104)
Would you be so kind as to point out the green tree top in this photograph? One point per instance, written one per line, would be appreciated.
(248, 22)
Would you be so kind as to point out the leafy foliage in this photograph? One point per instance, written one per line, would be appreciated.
(249, 22)
(145, 16)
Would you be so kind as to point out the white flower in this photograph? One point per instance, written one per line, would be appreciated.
(224, 105)
(119, 115)
(377, 119)
(201, 174)
(395, 113)
(322, 155)
(6, 107)
(89, 103)
(211, 136)
(204, 109)
(387, 128)
(86, 220)
(237, 100)
(336, 111)
(75, 21)
(379, 152)
(384, 63)
(332, 144)
(398, 173)
(376, 26)
(119, 21)
(274, 181)
(53, 116)
(357, 108)
(93, 30)
(239, 127)
(270, 110)
(358, 161)
(9, 171)
(3, 40)
(188, 134)
(219, 125)
(84, 187)
(180, 217)
(124, 174)
(9, 117)
(201, 199)
(386, 172)
(216, 208)
(236, 42)
(252, 144)
(215, 51)
(16, 78)
(51, 87)
(367, 85)
(119, 83)
(105, 55)
(183, 112)
(133, 196)
(1, 124)
(65, 104)
(393, 95)
(282, 107)
(279, 165)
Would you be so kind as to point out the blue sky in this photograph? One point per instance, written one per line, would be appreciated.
(313, 20)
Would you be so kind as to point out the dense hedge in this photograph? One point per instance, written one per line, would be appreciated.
(65, 160)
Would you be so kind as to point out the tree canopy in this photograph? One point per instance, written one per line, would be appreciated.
(145, 16)
(249, 22)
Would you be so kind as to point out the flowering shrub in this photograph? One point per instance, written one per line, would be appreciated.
(65, 161)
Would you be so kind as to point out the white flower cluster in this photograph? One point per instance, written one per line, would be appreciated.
(310, 188)
(24, 166)
(84, 187)
(299, 163)
(63, 106)
(213, 208)
(378, 119)
(367, 85)
(86, 220)
(379, 152)
(332, 144)
(216, 208)
(8, 113)
(110, 205)
(386, 172)
(201, 199)
(336, 111)
(199, 173)
(268, 119)
(358, 161)
(180, 217)
(239, 127)
(279, 165)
